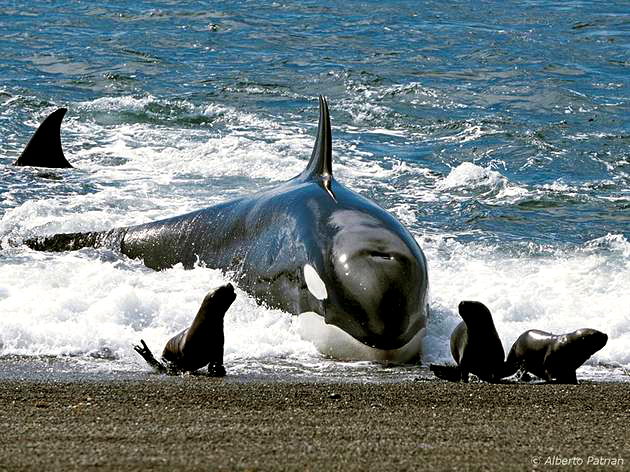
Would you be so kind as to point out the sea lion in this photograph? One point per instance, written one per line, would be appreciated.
(308, 245)
(201, 343)
(44, 148)
(554, 358)
(475, 346)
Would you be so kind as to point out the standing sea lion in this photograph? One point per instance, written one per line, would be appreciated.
(553, 357)
(200, 344)
(475, 346)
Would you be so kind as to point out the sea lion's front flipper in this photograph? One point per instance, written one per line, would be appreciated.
(216, 369)
(569, 377)
(148, 356)
(452, 373)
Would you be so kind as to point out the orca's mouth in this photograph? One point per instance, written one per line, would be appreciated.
(386, 343)
(337, 343)
(386, 340)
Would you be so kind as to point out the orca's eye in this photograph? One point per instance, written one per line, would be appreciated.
(381, 255)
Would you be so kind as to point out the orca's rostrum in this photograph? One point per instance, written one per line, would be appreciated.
(310, 245)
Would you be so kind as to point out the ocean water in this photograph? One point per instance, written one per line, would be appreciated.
(498, 133)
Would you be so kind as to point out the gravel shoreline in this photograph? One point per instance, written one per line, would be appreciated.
(153, 422)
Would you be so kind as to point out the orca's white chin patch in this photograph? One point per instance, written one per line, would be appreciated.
(336, 343)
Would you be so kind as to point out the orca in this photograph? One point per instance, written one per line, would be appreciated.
(308, 246)
(44, 148)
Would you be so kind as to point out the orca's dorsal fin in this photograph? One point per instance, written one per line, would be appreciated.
(320, 166)
(44, 148)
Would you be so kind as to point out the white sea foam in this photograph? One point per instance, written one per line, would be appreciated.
(93, 301)
(127, 103)
(469, 175)
(485, 182)
(203, 156)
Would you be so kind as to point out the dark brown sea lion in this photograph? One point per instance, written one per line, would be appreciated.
(554, 358)
(475, 346)
(199, 345)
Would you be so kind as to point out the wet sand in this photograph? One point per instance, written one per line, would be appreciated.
(152, 422)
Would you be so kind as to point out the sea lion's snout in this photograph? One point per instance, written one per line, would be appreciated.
(593, 338)
(219, 299)
(226, 290)
(600, 340)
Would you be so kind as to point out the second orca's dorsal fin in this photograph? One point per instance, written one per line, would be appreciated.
(320, 165)
(44, 148)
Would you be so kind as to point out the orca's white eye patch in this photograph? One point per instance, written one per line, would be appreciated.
(314, 283)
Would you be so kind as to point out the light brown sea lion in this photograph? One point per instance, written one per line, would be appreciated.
(554, 358)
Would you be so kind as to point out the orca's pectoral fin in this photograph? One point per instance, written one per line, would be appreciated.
(148, 356)
(452, 373)
(44, 148)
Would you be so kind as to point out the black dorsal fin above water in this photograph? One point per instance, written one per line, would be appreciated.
(44, 148)
(320, 165)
